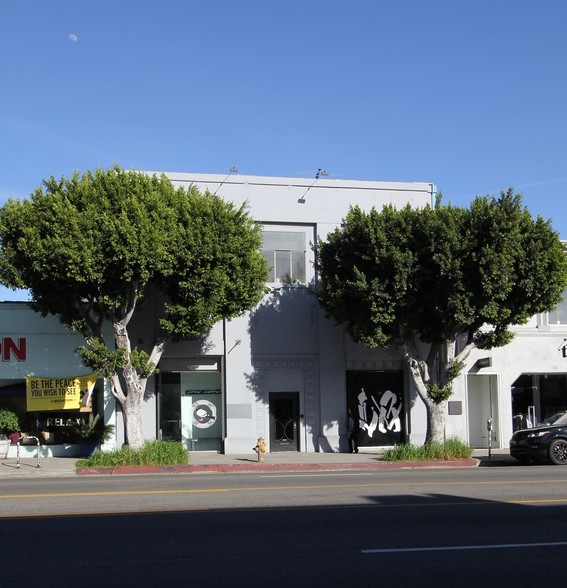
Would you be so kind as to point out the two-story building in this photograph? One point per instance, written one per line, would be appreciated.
(283, 371)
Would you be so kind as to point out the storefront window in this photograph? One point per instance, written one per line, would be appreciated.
(170, 407)
(376, 399)
(51, 427)
(191, 409)
(542, 394)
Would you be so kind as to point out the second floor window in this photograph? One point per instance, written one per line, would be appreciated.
(285, 252)
(559, 315)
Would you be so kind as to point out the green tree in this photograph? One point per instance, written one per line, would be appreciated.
(436, 282)
(91, 247)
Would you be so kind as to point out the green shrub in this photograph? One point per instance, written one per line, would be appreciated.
(9, 422)
(450, 450)
(152, 453)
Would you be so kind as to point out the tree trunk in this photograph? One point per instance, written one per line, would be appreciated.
(135, 387)
(131, 404)
(421, 373)
(132, 416)
(435, 421)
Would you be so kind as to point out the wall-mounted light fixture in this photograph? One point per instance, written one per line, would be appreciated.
(320, 172)
(233, 170)
(236, 343)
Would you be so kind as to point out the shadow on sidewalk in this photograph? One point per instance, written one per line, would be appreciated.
(496, 461)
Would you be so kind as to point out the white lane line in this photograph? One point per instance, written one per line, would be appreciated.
(464, 547)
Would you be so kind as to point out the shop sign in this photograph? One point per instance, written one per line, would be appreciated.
(204, 414)
(73, 393)
(9, 349)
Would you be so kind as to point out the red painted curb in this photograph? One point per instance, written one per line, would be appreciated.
(268, 467)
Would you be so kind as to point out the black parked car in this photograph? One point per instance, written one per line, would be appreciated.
(546, 442)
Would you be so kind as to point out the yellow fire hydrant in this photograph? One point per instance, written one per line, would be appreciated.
(261, 448)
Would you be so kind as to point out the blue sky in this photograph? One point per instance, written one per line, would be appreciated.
(471, 96)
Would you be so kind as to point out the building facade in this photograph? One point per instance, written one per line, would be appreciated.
(284, 371)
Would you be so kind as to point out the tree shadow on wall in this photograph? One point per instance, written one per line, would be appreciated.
(284, 335)
(283, 325)
(195, 347)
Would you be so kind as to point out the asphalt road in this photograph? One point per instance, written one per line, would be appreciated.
(469, 527)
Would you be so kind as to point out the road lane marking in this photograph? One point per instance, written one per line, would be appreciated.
(185, 510)
(414, 485)
(116, 493)
(535, 501)
(463, 547)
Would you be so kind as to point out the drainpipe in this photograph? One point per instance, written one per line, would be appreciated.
(223, 385)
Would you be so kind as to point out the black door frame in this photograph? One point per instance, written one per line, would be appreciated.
(284, 435)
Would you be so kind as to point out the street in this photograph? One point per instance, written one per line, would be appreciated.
(464, 527)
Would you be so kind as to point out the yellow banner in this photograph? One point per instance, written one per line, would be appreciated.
(74, 393)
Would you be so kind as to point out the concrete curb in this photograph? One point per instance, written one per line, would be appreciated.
(267, 467)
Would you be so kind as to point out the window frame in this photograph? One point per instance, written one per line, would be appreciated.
(558, 317)
(308, 232)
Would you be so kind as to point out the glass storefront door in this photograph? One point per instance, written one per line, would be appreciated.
(191, 409)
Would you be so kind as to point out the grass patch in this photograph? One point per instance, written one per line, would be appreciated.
(152, 453)
(452, 449)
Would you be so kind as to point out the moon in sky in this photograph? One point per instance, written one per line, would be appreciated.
(73, 37)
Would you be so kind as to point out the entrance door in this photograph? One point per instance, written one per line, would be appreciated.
(284, 421)
(483, 404)
(191, 409)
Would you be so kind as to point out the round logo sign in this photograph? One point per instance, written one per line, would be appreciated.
(204, 414)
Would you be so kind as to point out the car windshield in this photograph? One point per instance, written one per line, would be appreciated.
(557, 419)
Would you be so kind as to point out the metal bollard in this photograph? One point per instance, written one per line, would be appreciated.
(18, 450)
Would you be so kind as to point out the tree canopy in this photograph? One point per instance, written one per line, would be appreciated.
(90, 248)
(436, 282)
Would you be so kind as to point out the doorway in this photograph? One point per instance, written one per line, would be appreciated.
(284, 421)
(483, 405)
(190, 409)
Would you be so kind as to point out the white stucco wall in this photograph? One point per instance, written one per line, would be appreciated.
(286, 344)
(324, 201)
(536, 349)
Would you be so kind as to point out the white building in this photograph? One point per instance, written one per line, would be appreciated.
(517, 386)
(284, 371)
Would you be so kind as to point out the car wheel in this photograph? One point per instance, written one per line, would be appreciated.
(558, 452)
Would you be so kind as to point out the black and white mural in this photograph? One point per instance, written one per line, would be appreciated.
(376, 401)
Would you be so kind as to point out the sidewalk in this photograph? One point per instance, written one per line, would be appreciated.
(208, 462)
